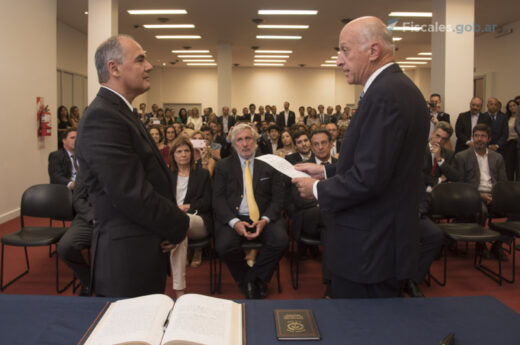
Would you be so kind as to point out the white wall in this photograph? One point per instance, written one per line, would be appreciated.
(299, 86)
(29, 71)
(497, 59)
(71, 50)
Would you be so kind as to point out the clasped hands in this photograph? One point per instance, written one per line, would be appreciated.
(241, 228)
(305, 184)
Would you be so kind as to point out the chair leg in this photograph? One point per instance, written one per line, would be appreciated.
(2, 286)
(496, 276)
(70, 283)
(211, 282)
(278, 278)
(444, 250)
(294, 279)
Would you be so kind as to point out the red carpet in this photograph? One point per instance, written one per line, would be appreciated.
(463, 279)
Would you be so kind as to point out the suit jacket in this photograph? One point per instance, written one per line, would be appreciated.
(373, 191)
(280, 119)
(133, 197)
(60, 167)
(199, 195)
(295, 158)
(463, 129)
(80, 201)
(469, 170)
(242, 118)
(268, 118)
(231, 122)
(448, 168)
(500, 131)
(326, 118)
(517, 127)
(228, 189)
(266, 147)
(443, 117)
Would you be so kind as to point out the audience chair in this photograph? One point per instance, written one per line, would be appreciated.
(207, 242)
(296, 255)
(462, 201)
(247, 245)
(43, 201)
(506, 202)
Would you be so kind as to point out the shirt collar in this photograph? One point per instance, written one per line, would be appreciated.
(375, 74)
(485, 155)
(319, 161)
(124, 99)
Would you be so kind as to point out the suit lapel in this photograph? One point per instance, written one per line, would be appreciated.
(257, 169)
(236, 170)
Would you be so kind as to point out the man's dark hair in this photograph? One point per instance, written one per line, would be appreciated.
(436, 95)
(298, 134)
(333, 123)
(319, 131)
(252, 105)
(273, 127)
(205, 128)
(445, 126)
(65, 134)
(482, 127)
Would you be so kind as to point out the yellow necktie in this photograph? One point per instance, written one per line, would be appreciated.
(254, 214)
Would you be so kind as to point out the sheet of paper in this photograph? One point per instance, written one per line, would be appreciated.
(282, 166)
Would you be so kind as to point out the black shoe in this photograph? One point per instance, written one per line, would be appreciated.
(261, 288)
(84, 291)
(498, 252)
(412, 290)
(249, 289)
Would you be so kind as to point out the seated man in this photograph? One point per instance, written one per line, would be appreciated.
(272, 144)
(482, 168)
(63, 165)
(78, 236)
(248, 199)
(303, 148)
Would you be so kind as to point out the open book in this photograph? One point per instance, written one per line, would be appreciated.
(153, 320)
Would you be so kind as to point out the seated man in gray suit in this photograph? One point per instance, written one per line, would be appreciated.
(63, 165)
(248, 197)
(482, 168)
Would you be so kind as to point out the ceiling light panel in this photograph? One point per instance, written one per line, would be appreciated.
(189, 51)
(425, 54)
(270, 60)
(198, 60)
(419, 58)
(327, 65)
(260, 51)
(189, 56)
(144, 12)
(271, 56)
(268, 64)
(201, 64)
(395, 39)
(268, 26)
(288, 12)
(410, 14)
(277, 37)
(169, 26)
(178, 37)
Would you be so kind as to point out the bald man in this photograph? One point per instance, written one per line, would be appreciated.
(465, 123)
(372, 191)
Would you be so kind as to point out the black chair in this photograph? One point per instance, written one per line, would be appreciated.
(44, 201)
(296, 254)
(207, 242)
(247, 245)
(506, 203)
(462, 201)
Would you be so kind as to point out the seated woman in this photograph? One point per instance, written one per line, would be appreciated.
(202, 155)
(157, 136)
(170, 135)
(193, 195)
(287, 144)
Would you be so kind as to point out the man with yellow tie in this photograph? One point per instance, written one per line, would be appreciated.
(247, 200)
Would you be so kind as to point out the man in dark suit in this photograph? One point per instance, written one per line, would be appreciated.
(262, 116)
(286, 118)
(332, 128)
(128, 182)
(272, 144)
(245, 117)
(78, 236)
(227, 121)
(372, 192)
(499, 126)
(324, 118)
(436, 111)
(303, 148)
(248, 199)
(63, 165)
(467, 121)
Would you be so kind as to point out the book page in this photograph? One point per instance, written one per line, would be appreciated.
(282, 165)
(198, 319)
(137, 320)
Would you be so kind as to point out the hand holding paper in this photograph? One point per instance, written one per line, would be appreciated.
(282, 166)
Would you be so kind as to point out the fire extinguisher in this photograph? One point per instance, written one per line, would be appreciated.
(44, 118)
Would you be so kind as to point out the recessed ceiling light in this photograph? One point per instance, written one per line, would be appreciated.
(268, 64)
(260, 51)
(209, 56)
(425, 53)
(201, 64)
(277, 37)
(288, 12)
(407, 66)
(410, 14)
(271, 56)
(412, 62)
(164, 63)
(270, 60)
(328, 65)
(334, 57)
(136, 12)
(86, 12)
(396, 39)
(189, 51)
(198, 60)
(407, 28)
(264, 26)
(178, 37)
(169, 26)
(330, 61)
(419, 58)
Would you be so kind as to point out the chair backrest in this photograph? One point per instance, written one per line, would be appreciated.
(52, 201)
(506, 198)
(456, 199)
